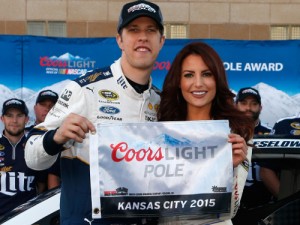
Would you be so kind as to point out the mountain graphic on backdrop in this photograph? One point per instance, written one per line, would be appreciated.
(68, 57)
(276, 103)
(164, 140)
(297, 98)
(171, 141)
(24, 93)
(29, 96)
(6, 93)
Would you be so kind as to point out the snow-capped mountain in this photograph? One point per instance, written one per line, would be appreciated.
(163, 140)
(6, 93)
(68, 57)
(276, 103)
(30, 100)
(297, 98)
(23, 93)
(29, 96)
(171, 141)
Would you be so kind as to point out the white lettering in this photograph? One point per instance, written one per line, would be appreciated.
(10, 179)
(233, 66)
(263, 67)
(138, 205)
(161, 170)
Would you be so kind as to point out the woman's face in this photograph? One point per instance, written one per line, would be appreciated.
(197, 83)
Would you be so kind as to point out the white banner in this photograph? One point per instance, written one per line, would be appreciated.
(162, 169)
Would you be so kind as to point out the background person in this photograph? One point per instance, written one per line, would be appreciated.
(248, 100)
(271, 172)
(282, 178)
(255, 193)
(196, 88)
(18, 182)
(125, 86)
(45, 100)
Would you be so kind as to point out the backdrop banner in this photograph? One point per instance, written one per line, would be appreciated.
(30, 64)
(181, 170)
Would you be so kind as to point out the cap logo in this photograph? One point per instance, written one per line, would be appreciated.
(249, 91)
(48, 93)
(141, 6)
(13, 102)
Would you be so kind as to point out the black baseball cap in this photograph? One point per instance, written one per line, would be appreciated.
(47, 95)
(248, 91)
(135, 9)
(14, 103)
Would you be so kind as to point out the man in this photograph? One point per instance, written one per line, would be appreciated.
(282, 177)
(248, 100)
(270, 170)
(255, 193)
(125, 87)
(45, 100)
(18, 182)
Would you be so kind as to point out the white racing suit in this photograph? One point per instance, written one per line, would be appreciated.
(103, 95)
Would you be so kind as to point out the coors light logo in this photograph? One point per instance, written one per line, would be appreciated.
(66, 64)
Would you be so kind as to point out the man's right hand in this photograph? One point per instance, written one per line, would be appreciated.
(73, 127)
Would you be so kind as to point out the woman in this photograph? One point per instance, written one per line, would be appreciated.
(196, 88)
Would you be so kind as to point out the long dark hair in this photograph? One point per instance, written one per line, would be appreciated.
(173, 107)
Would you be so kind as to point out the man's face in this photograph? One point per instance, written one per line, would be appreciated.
(140, 42)
(41, 110)
(14, 122)
(250, 106)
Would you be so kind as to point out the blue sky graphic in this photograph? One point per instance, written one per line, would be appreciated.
(105, 50)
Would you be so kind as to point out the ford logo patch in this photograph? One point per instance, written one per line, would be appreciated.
(109, 109)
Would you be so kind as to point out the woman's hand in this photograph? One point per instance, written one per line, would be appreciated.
(239, 148)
